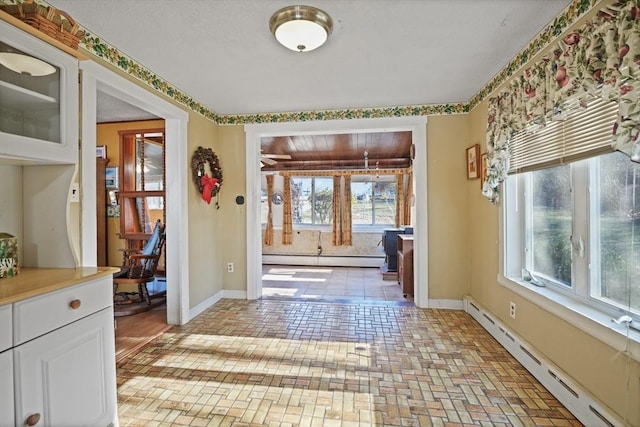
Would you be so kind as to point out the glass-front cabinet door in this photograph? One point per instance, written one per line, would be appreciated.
(38, 99)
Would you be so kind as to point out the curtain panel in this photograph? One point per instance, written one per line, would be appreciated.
(287, 224)
(337, 209)
(601, 58)
(268, 234)
(400, 200)
(408, 199)
(346, 212)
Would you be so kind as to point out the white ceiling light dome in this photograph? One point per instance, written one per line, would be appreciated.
(301, 28)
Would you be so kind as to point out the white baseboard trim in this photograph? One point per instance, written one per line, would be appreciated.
(323, 261)
(581, 404)
(449, 304)
(214, 299)
(234, 294)
(205, 304)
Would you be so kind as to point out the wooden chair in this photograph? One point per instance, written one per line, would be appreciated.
(139, 268)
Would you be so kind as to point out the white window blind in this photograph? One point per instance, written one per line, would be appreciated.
(586, 133)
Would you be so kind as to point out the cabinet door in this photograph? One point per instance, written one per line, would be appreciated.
(6, 389)
(68, 376)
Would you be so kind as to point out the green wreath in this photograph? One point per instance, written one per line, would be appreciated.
(208, 186)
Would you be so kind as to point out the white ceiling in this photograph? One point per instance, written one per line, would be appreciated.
(381, 53)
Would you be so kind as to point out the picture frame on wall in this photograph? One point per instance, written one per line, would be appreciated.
(101, 151)
(111, 177)
(473, 162)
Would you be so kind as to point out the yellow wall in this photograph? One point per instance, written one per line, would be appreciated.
(206, 244)
(594, 365)
(233, 216)
(449, 243)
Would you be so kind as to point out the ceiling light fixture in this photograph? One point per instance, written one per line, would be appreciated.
(25, 64)
(301, 28)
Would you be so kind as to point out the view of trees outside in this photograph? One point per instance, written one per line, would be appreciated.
(552, 223)
(618, 198)
(373, 203)
(620, 230)
(312, 200)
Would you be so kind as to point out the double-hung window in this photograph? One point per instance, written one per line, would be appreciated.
(373, 200)
(312, 200)
(572, 214)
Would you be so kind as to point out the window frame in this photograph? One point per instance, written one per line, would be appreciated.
(576, 304)
(373, 226)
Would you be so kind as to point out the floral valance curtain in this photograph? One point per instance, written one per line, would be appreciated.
(601, 58)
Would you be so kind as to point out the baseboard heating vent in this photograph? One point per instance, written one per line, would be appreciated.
(602, 417)
(528, 353)
(489, 318)
(581, 404)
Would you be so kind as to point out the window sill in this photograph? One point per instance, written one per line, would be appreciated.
(591, 321)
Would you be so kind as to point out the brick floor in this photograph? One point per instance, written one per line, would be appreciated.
(306, 363)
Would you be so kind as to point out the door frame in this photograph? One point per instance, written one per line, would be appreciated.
(96, 78)
(418, 127)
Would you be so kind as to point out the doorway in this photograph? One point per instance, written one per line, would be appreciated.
(96, 79)
(254, 133)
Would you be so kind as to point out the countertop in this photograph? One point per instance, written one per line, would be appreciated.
(31, 282)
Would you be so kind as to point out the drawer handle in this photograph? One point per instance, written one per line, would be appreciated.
(75, 304)
(33, 419)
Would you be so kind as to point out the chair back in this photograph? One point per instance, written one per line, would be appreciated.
(154, 247)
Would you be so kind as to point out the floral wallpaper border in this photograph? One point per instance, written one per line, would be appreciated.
(102, 49)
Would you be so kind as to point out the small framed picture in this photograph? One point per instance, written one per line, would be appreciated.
(111, 177)
(483, 169)
(101, 151)
(473, 162)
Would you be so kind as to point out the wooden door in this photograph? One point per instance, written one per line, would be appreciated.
(65, 376)
(101, 212)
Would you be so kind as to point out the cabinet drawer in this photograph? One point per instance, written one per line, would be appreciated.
(38, 315)
(5, 327)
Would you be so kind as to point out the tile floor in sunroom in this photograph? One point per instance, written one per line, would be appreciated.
(330, 283)
(299, 361)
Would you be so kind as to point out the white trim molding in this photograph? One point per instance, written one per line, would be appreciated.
(96, 78)
(418, 127)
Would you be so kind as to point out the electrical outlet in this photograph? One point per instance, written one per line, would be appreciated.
(230, 267)
(512, 310)
(75, 192)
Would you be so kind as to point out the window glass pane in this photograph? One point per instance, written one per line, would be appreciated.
(384, 203)
(362, 203)
(551, 224)
(323, 201)
(619, 231)
(301, 198)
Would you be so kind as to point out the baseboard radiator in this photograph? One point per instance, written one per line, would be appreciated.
(583, 406)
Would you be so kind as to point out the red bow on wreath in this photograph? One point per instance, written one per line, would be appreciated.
(208, 184)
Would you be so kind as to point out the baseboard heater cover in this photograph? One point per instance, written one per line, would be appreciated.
(583, 406)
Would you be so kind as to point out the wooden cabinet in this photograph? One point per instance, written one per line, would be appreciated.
(405, 263)
(39, 107)
(63, 358)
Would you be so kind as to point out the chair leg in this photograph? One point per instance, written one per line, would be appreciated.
(144, 293)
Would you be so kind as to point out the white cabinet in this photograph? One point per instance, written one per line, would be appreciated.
(62, 364)
(7, 418)
(38, 99)
(64, 378)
